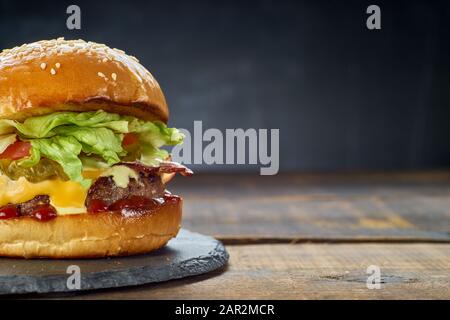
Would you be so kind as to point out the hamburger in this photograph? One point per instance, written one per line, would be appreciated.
(83, 169)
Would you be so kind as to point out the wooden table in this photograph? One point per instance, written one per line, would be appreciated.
(312, 236)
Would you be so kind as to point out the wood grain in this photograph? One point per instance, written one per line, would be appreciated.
(374, 212)
(318, 207)
(311, 271)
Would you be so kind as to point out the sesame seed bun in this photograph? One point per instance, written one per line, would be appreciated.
(73, 75)
(90, 235)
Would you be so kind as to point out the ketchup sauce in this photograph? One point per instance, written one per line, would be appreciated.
(133, 205)
(44, 213)
(130, 206)
(168, 197)
(9, 211)
(97, 205)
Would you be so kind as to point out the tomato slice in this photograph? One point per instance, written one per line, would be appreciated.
(129, 139)
(17, 150)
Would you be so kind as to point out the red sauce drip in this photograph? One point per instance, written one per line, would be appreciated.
(97, 205)
(168, 197)
(44, 213)
(134, 203)
(131, 206)
(9, 211)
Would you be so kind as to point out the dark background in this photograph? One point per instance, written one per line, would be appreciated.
(344, 97)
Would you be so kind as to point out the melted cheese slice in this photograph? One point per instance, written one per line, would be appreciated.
(61, 193)
(66, 196)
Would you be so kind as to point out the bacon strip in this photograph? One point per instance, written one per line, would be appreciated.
(175, 167)
(164, 167)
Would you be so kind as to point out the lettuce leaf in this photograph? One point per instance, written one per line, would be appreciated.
(155, 133)
(152, 156)
(100, 141)
(7, 126)
(43, 126)
(63, 150)
(69, 137)
(152, 136)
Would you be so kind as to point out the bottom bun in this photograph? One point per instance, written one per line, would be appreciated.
(90, 235)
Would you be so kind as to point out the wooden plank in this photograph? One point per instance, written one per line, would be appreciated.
(311, 271)
(347, 207)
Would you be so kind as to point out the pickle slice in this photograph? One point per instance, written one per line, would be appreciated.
(44, 170)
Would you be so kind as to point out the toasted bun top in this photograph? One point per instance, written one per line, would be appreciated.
(60, 75)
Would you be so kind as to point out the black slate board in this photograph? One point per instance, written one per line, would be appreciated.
(187, 255)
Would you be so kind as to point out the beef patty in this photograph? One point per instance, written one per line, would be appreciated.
(149, 185)
(104, 189)
(26, 208)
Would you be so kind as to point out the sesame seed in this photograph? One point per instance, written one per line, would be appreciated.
(58, 65)
(114, 76)
(43, 65)
(119, 51)
(53, 71)
(101, 75)
(105, 59)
